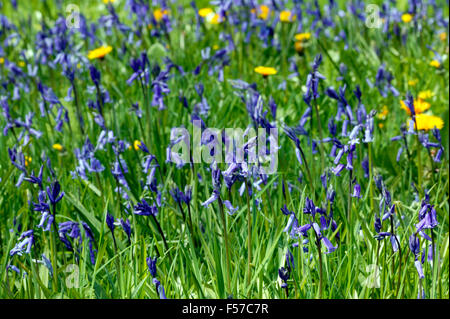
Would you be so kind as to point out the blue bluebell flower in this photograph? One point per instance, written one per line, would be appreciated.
(24, 246)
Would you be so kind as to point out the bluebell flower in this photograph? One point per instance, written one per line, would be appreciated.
(159, 289)
(151, 263)
(284, 276)
(15, 269)
(42, 206)
(126, 226)
(356, 191)
(90, 237)
(160, 89)
(229, 207)
(290, 260)
(95, 75)
(17, 158)
(47, 263)
(68, 230)
(24, 246)
(54, 193)
(292, 227)
(110, 222)
(140, 68)
(145, 209)
(36, 179)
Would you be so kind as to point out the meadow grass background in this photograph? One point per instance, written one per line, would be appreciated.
(198, 270)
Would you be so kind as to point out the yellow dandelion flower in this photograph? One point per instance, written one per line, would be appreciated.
(262, 12)
(265, 71)
(215, 47)
(428, 122)
(298, 45)
(407, 17)
(215, 18)
(380, 125)
(420, 106)
(384, 112)
(58, 147)
(425, 95)
(303, 36)
(435, 63)
(137, 144)
(413, 82)
(205, 12)
(100, 52)
(443, 36)
(108, 1)
(159, 14)
(21, 64)
(287, 16)
(2, 60)
(28, 160)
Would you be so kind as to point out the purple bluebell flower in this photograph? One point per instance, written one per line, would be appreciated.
(229, 207)
(42, 206)
(126, 226)
(24, 246)
(95, 75)
(18, 160)
(160, 89)
(68, 230)
(290, 260)
(36, 179)
(365, 167)
(356, 191)
(54, 193)
(284, 276)
(151, 263)
(427, 217)
(145, 209)
(140, 68)
(15, 269)
(47, 263)
(110, 222)
(90, 237)
(159, 289)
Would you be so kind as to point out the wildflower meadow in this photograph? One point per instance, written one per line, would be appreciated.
(162, 149)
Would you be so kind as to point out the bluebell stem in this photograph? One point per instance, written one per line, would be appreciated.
(292, 134)
(217, 184)
(145, 209)
(180, 197)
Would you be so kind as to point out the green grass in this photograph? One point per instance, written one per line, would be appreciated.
(194, 265)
